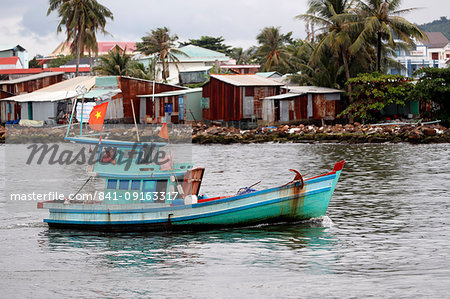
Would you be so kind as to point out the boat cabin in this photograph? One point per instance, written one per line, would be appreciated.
(144, 173)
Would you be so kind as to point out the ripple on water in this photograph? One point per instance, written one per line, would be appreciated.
(385, 233)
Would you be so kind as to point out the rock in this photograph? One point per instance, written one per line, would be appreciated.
(429, 131)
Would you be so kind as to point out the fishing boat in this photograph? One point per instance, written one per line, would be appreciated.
(147, 194)
(144, 198)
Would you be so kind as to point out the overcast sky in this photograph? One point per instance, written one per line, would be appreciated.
(25, 22)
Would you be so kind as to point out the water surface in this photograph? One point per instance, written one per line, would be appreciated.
(387, 233)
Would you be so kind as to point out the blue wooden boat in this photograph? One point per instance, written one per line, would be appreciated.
(148, 196)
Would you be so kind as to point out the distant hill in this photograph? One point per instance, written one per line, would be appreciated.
(442, 25)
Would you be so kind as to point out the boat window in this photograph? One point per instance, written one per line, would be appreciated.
(149, 186)
(123, 184)
(135, 185)
(161, 186)
(112, 184)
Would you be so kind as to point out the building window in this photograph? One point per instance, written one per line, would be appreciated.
(435, 56)
(447, 55)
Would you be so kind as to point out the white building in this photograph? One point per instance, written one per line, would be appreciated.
(432, 53)
(18, 52)
(196, 59)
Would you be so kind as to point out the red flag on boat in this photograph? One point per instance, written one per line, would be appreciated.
(97, 116)
(164, 133)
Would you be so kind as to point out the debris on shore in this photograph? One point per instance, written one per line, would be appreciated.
(203, 134)
(350, 133)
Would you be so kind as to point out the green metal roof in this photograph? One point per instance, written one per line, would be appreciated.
(101, 93)
(196, 53)
(109, 81)
(267, 74)
(171, 93)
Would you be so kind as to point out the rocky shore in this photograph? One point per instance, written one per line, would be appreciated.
(204, 134)
(350, 133)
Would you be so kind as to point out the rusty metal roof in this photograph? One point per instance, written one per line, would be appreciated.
(56, 92)
(31, 77)
(246, 80)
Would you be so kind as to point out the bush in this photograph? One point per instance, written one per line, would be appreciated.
(372, 92)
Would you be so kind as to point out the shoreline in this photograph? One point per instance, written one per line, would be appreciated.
(346, 134)
(203, 134)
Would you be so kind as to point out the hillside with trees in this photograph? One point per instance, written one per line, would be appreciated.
(442, 25)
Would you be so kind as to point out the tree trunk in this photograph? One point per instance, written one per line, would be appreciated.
(347, 76)
(347, 70)
(90, 63)
(164, 70)
(78, 54)
(378, 51)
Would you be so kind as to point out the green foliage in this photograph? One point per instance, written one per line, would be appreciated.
(60, 60)
(243, 56)
(380, 23)
(81, 19)
(442, 25)
(212, 43)
(433, 85)
(114, 64)
(272, 52)
(159, 42)
(138, 70)
(372, 92)
(33, 63)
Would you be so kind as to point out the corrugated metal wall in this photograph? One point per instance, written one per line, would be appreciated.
(226, 101)
(326, 106)
(44, 111)
(32, 85)
(132, 87)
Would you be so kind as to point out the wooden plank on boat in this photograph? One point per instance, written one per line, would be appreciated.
(193, 180)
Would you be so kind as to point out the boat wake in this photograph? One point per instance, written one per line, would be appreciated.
(324, 221)
(23, 225)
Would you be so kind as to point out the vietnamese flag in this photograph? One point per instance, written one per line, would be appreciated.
(164, 133)
(97, 116)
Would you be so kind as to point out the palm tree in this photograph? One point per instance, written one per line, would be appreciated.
(138, 70)
(299, 55)
(114, 64)
(272, 50)
(238, 55)
(161, 43)
(336, 39)
(381, 21)
(79, 17)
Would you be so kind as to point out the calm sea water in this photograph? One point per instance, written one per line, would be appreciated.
(387, 233)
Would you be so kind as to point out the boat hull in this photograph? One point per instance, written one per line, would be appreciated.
(293, 202)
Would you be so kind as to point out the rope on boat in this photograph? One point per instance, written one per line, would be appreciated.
(245, 190)
(82, 186)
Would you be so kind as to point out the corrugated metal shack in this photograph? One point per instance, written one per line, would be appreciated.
(302, 103)
(49, 104)
(179, 106)
(132, 87)
(10, 110)
(236, 97)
